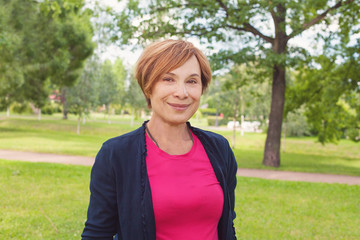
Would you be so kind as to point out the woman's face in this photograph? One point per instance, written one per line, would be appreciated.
(175, 97)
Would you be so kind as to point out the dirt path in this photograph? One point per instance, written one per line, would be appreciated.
(258, 173)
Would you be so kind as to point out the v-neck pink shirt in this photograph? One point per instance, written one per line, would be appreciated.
(187, 197)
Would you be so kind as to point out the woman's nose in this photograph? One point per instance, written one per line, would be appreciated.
(181, 90)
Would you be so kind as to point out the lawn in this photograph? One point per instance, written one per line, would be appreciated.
(53, 135)
(49, 201)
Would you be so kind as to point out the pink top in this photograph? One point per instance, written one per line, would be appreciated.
(187, 197)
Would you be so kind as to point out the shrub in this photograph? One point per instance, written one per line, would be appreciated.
(51, 108)
(208, 111)
(296, 125)
(21, 108)
(212, 120)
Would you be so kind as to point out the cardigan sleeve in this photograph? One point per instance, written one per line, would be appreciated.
(232, 181)
(102, 220)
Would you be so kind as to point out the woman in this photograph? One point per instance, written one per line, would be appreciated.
(167, 179)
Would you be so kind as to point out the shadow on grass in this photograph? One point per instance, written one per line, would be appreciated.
(12, 130)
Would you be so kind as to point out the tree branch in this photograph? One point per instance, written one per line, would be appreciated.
(223, 6)
(249, 28)
(319, 17)
(200, 32)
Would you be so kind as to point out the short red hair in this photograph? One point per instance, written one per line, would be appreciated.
(164, 56)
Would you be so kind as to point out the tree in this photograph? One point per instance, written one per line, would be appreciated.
(329, 91)
(11, 76)
(108, 86)
(135, 99)
(120, 75)
(234, 83)
(52, 38)
(83, 95)
(240, 96)
(245, 31)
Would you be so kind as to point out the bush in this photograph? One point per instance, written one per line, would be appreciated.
(118, 109)
(50, 108)
(208, 112)
(21, 108)
(212, 120)
(47, 109)
(353, 134)
(296, 125)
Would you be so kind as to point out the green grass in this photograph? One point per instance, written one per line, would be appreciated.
(49, 201)
(296, 210)
(42, 200)
(53, 135)
(301, 154)
(57, 136)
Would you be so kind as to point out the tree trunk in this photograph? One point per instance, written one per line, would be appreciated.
(273, 138)
(39, 114)
(132, 117)
(78, 125)
(236, 101)
(108, 112)
(242, 114)
(64, 103)
(272, 144)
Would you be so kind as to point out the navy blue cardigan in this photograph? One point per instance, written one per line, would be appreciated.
(121, 202)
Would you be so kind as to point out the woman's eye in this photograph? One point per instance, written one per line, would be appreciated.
(192, 81)
(167, 79)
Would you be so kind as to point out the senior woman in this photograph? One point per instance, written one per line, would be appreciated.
(166, 180)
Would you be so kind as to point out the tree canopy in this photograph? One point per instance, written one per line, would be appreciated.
(42, 42)
(245, 31)
(330, 93)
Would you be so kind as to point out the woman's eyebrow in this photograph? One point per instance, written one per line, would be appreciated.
(170, 73)
(191, 75)
(194, 75)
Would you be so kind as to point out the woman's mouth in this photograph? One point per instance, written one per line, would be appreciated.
(179, 107)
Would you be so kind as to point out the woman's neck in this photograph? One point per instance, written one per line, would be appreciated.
(174, 139)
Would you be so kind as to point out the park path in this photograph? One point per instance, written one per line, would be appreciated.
(257, 173)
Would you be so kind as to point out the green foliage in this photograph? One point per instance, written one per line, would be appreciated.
(208, 111)
(329, 92)
(50, 108)
(239, 32)
(82, 97)
(245, 86)
(135, 98)
(41, 42)
(211, 120)
(296, 124)
(353, 133)
(21, 108)
(231, 23)
(121, 74)
(108, 84)
(101, 83)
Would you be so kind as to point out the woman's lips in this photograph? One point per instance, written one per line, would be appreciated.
(179, 107)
